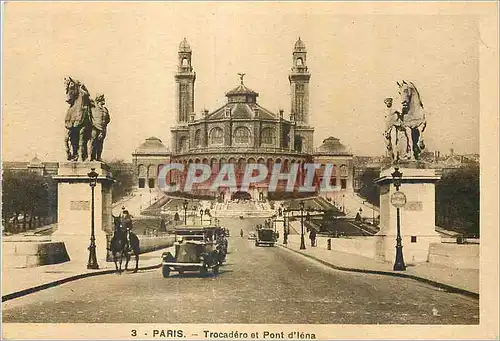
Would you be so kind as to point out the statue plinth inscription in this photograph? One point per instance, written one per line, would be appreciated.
(80, 205)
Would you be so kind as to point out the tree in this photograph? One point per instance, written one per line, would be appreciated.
(457, 200)
(369, 190)
(26, 193)
(124, 176)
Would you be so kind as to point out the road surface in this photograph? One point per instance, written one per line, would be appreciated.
(256, 285)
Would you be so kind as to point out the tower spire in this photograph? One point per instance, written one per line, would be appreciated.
(241, 77)
(185, 78)
(299, 83)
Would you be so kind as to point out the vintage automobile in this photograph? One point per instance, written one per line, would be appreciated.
(265, 236)
(196, 249)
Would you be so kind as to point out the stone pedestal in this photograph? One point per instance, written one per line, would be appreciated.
(417, 216)
(74, 209)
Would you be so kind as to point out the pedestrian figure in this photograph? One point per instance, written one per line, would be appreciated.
(163, 225)
(312, 236)
(358, 217)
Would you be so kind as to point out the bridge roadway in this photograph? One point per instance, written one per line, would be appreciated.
(257, 285)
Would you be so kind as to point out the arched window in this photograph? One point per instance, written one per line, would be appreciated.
(268, 136)
(216, 136)
(185, 62)
(242, 135)
(183, 144)
(343, 176)
(152, 169)
(298, 144)
(300, 62)
(197, 138)
(142, 174)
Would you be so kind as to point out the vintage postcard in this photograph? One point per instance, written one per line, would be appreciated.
(250, 170)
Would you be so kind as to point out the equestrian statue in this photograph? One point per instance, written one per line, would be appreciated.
(404, 129)
(86, 121)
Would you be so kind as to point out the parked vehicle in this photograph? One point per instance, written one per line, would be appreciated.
(195, 250)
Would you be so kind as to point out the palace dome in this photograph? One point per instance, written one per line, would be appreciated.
(152, 145)
(332, 145)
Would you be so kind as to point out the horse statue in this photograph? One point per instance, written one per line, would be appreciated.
(404, 129)
(119, 246)
(86, 120)
(413, 116)
(77, 120)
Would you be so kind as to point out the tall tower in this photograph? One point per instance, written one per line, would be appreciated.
(184, 79)
(299, 84)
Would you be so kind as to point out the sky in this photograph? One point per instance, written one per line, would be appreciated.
(128, 51)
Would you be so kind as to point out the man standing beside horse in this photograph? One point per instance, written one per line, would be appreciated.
(100, 120)
(397, 145)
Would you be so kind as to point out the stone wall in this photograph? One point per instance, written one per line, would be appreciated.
(32, 252)
(461, 256)
(20, 254)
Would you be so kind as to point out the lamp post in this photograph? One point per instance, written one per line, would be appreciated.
(92, 264)
(343, 203)
(398, 201)
(302, 241)
(185, 206)
(285, 231)
(201, 216)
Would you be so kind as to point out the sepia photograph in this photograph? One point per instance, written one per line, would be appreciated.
(249, 170)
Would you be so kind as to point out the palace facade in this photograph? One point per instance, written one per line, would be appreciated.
(242, 132)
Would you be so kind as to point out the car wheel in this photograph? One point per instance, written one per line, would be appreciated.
(165, 271)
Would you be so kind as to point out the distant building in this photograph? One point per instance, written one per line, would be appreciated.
(35, 165)
(147, 160)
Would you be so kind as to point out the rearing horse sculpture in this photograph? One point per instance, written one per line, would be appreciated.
(413, 115)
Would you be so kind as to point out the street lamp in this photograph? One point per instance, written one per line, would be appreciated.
(399, 264)
(285, 222)
(92, 264)
(302, 241)
(185, 206)
(343, 203)
(201, 216)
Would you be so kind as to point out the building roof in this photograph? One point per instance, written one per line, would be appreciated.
(242, 103)
(299, 46)
(241, 90)
(242, 111)
(152, 145)
(332, 145)
(184, 46)
(35, 161)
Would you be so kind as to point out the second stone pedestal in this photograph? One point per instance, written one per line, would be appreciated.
(417, 216)
(75, 209)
